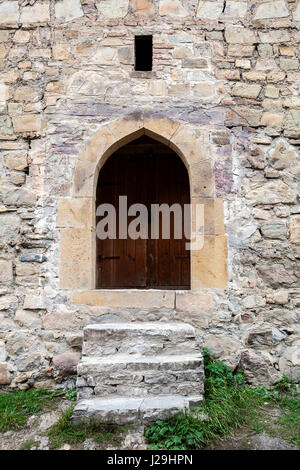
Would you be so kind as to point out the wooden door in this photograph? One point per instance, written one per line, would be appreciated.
(148, 173)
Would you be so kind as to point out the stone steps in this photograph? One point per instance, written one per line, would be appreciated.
(143, 338)
(128, 410)
(138, 372)
(138, 376)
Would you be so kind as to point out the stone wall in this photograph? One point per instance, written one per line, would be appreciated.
(229, 68)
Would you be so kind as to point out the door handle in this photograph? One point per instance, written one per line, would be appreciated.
(104, 258)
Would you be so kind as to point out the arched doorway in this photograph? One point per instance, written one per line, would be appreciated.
(147, 172)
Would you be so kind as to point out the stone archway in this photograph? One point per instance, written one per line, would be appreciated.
(76, 215)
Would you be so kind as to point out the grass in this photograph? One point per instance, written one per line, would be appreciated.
(16, 407)
(230, 404)
(29, 444)
(65, 432)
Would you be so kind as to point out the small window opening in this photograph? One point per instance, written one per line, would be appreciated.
(143, 53)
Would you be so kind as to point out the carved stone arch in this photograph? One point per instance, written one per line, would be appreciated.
(76, 215)
(184, 139)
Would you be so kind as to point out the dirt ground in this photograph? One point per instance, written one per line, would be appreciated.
(33, 437)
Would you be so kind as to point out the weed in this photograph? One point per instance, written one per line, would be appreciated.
(15, 407)
(29, 444)
(64, 431)
(71, 394)
(229, 404)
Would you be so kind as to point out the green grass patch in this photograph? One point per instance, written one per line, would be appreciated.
(65, 432)
(30, 444)
(16, 407)
(229, 404)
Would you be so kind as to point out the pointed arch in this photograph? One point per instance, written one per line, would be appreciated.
(185, 140)
(76, 215)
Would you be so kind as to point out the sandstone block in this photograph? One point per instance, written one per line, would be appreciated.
(157, 87)
(5, 378)
(292, 124)
(295, 229)
(210, 10)
(34, 302)
(113, 8)
(9, 227)
(274, 36)
(246, 91)
(275, 9)
(37, 13)
(182, 52)
(273, 120)
(16, 160)
(240, 50)
(194, 63)
(66, 362)
(77, 213)
(126, 55)
(227, 74)
(27, 319)
(296, 14)
(76, 244)
(271, 92)
(142, 7)
(59, 321)
(61, 52)
(68, 10)
(180, 89)
(25, 93)
(161, 129)
(193, 302)
(9, 12)
(203, 181)
(258, 368)
(276, 275)
(172, 8)
(243, 64)
(5, 92)
(272, 192)
(224, 347)
(209, 264)
(243, 115)
(289, 64)
(213, 213)
(6, 272)
(282, 156)
(289, 362)
(124, 299)
(254, 76)
(254, 301)
(239, 35)
(28, 123)
(205, 90)
(21, 36)
(280, 297)
(235, 9)
(274, 229)
(265, 50)
(105, 56)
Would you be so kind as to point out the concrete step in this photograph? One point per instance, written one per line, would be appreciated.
(128, 410)
(140, 375)
(147, 338)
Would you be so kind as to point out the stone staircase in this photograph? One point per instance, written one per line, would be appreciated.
(138, 372)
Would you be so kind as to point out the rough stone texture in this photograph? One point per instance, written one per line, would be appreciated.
(126, 411)
(226, 77)
(4, 375)
(258, 368)
(68, 10)
(138, 371)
